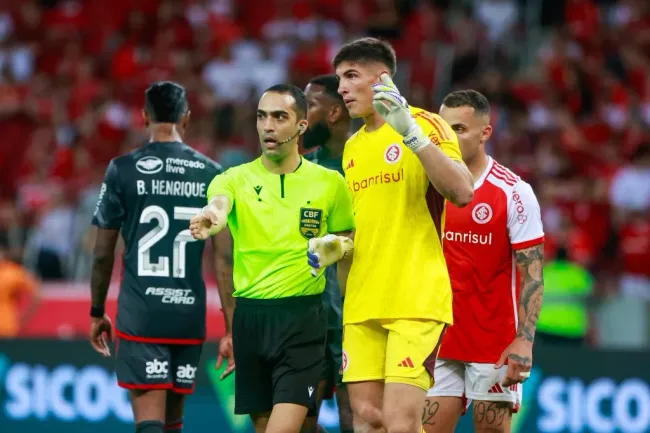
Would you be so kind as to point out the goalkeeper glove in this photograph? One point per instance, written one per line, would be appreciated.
(394, 108)
(327, 250)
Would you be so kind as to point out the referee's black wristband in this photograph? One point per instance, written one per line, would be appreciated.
(96, 311)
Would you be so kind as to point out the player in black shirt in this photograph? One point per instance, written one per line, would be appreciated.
(149, 195)
(328, 130)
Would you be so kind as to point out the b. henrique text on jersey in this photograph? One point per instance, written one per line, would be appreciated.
(176, 188)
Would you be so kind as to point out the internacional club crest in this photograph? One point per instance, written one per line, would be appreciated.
(393, 153)
(482, 213)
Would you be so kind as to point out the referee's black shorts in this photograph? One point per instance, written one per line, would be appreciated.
(279, 348)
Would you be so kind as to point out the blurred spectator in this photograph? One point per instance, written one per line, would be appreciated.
(18, 295)
(630, 190)
(499, 16)
(51, 242)
(226, 79)
(468, 36)
(635, 256)
(13, 231)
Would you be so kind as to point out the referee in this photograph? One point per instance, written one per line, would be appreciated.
(273, 206)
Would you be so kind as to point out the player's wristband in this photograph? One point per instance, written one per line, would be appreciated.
(97, 312)
(415, 139)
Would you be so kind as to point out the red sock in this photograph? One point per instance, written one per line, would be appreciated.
(174, 428)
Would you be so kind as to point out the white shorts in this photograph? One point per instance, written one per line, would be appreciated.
(473, 381)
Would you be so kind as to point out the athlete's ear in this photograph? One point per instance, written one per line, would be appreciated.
(334, 114)
(486, 133)
(145, 117)
(185, 120)
(302, 126)
(381, 72)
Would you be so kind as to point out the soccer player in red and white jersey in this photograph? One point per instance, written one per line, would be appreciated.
(494, 250)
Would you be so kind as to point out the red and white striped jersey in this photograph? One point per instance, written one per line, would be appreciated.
(479, 245)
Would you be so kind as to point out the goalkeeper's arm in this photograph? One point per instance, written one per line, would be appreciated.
(344, 265)
(450, 178)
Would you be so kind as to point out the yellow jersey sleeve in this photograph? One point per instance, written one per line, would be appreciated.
(223, 184)
(341, 216)
(439, 132)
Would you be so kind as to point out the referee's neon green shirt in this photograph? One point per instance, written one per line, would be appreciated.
(272, 219)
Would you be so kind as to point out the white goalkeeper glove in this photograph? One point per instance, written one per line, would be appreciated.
(394, 108)
(327, 250)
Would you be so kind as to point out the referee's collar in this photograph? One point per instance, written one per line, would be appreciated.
(299, 164)
(269, 172)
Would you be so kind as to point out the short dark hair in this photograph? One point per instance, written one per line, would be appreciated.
(367, 50)
(331, 85)
(165, 102)
(468, 98)
(297, 94)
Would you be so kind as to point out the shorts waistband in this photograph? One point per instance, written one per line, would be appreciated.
(291, 301)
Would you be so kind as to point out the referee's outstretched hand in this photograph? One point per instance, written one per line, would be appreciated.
(201, 224)
(226, 351)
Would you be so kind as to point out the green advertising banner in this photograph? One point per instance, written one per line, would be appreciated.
(49, 386)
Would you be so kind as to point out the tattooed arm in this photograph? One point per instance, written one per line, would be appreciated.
(519, 354)
(530, 262)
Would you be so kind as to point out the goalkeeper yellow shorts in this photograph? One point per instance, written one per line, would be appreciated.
(398, 351)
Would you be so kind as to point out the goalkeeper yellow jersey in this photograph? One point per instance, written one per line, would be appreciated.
(399, 270)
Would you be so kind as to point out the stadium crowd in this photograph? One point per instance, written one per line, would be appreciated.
(569, 84)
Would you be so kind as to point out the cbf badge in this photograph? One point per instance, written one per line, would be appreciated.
(310, 222)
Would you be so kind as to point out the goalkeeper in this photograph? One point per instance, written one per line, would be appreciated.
(273, 207)
(401, 166)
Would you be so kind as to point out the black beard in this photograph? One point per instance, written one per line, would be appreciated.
(316, 135)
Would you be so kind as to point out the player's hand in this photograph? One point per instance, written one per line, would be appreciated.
(226, 351)
(520, 360)
(393, 107)
(101, 329)
(329, 249)
(201, 224)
